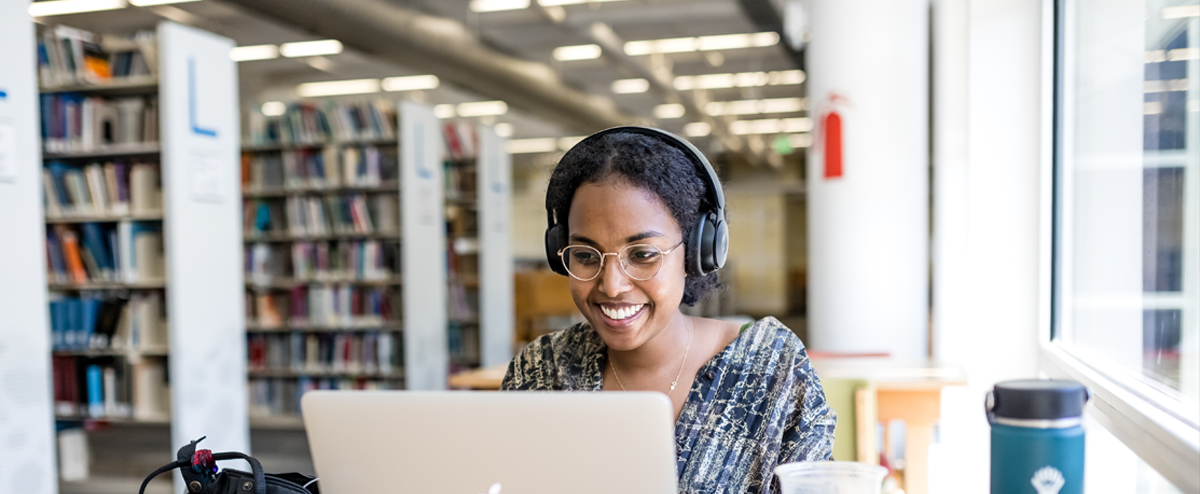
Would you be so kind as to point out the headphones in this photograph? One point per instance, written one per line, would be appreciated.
(708, 244)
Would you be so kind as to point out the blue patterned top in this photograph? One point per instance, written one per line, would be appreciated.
(755, 405)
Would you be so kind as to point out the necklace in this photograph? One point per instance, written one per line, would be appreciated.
(691, 333)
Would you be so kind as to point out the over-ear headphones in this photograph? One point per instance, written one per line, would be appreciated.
(708, 243)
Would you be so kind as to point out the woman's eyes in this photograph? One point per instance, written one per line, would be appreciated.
(643, 255)
(584, 257)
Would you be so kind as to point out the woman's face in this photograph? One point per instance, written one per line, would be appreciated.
(609, 216)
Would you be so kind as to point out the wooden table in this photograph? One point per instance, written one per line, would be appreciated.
(908, 391)
(486, 379)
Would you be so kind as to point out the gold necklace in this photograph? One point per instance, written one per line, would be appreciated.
(691, 332)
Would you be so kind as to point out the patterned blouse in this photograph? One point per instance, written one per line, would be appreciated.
(755, 405)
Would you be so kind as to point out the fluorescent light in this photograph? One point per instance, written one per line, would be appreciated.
(670, 110)
(800, 140)
(1181, 54)
(743, 79)
(786, 77)
(253, 52)
(566, 143)
(481, 108)
(524, 146)
(410, 83)
(444, 111)
(61, 7)
(311, 48)
(701, 43)
(630, 86)
(1181, 12)
(753, 106)
(771, 126)
(331, 88)
(147, 3)
(551, 3)
(1159, 86)
(1152, 108)
(274, 108)
(1154, 56)
(503, 129)
(497, 5)
(577, 52)
(697, 129)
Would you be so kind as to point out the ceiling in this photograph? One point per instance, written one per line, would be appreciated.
(527, 34)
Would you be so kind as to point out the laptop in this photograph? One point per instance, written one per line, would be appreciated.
(463, 442)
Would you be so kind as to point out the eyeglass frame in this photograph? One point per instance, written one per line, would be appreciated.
(621, 265)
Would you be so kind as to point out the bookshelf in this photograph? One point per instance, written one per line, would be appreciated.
(140, 232)
(25, 410)
(320, 192)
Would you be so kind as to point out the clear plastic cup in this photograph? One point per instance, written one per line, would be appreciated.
(830, 477)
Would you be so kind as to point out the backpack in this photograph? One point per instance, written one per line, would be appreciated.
(200, 475)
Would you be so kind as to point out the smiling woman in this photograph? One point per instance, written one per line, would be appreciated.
(640, 230)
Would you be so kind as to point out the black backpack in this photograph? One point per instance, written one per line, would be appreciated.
(200, 475)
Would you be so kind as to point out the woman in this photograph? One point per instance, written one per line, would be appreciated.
(746, 399)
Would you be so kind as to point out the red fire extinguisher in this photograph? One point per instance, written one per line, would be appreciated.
(831, 137)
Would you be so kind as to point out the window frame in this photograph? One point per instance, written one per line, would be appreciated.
(1150, 420)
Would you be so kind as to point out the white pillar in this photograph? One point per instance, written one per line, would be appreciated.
(869, 220)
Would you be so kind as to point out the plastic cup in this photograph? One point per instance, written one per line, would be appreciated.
(830, 477)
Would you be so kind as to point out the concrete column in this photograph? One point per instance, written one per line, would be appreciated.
(868, 177)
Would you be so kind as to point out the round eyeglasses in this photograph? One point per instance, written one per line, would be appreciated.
(638, 261)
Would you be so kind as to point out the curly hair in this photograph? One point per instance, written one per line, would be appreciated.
(644, 162)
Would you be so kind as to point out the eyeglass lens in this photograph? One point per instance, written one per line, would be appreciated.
(640, 261)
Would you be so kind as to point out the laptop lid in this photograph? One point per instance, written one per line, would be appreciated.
(493, 443)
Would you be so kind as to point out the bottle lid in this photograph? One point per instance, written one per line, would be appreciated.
(1038, 399)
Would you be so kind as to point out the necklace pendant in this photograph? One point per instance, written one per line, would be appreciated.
(673, 386)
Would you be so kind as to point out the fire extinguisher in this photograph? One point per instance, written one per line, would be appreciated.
(831, 137)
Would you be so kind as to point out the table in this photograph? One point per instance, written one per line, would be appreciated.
(485, 379)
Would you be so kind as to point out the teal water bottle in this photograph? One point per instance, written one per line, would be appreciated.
(1037, 436)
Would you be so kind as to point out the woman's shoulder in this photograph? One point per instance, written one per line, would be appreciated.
(551, 360)
(768, 339)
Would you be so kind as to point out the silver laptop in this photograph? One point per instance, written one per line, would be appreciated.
(465, 442)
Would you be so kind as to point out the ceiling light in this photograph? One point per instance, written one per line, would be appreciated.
(1152, 108)
(503, 129)
(481, 108)
(754, 106)
(410, 83)
(311, 48)
(697, 129)
(354, 86)
(61, 7)
(444, 111)
(786, 77)
(1154, 56)
(274, 108)
(771, 126)
(701, 43)
(551, 3)
(1181, 12)
(1159, 86)
(743, 79)
(566, 143)
(670, 110)
(799, 124)
(1182, 54)
(630, 86)
(254, 52)
(524, 146)
(147, 3)
(497, 5)
(800, 140)
(578, 52)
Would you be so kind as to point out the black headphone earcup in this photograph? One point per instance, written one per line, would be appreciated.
(720, 245)
(553, 239)
(694, 260)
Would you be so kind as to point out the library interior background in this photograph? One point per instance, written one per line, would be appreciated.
(210, 207)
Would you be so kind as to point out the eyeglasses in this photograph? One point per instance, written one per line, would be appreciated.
(638, 261)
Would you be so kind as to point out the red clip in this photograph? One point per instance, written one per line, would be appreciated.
(203, 460)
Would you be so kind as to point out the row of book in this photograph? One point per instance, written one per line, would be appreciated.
(67, 55)
(330, 306)
(281, 397)
(108, 388)
(462, 143)
(372, 353)
(112, 188)
(74, 122)
(460, 180)
(318, 168)
(322, 215)
(111, 322)
(366, 260)
(303, 123)
(128, 252)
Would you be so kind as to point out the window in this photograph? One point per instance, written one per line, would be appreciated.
(1125, 311)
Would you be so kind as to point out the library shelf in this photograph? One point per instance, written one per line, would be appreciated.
(158, 421)
(250, 237)
(138, 149)
(119, 86)
(113, 352)
(385, 326)
(110, 285)
(279, 146)
(289, 283)
(284, 422)
(290, 374)
(144, 216)
(392, 186)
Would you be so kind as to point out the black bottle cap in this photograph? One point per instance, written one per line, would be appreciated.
(1039, 399)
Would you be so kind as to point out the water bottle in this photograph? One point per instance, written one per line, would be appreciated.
(1037, 436)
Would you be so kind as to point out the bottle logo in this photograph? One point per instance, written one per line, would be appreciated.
(1048, 480)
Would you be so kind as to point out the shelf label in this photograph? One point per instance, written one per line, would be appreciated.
(8, 152)
(205, 178)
